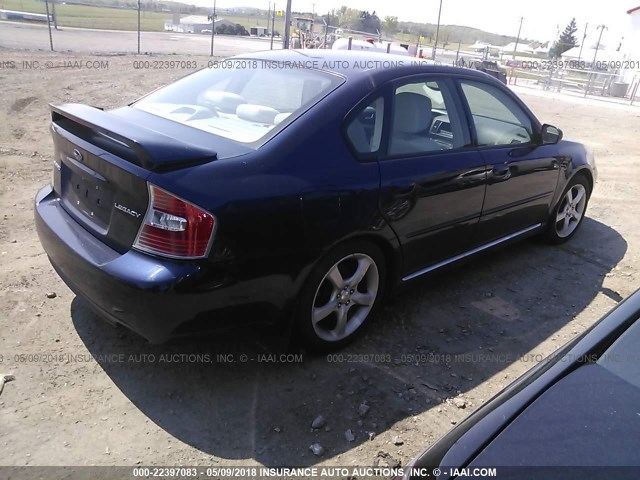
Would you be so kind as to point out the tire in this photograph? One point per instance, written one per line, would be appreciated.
(568, 214)
(333, 310)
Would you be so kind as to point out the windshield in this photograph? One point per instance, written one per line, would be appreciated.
(241, 104)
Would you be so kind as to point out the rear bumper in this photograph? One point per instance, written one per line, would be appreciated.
(152, 296)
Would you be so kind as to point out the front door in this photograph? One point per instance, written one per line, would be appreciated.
(522, 174)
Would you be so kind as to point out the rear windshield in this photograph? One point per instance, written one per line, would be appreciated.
(247, 105)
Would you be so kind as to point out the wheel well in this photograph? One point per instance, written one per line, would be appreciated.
(586, 174)
(392, 262)
(390, 258)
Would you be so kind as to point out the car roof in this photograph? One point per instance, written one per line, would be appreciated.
(357, 64)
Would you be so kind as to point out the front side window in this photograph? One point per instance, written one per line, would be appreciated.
(424, 120)
(241, 104)
(496, 116)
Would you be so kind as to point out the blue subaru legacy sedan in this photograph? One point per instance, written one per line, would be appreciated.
(296, 188)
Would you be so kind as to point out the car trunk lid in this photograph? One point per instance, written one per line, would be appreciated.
(102, 162)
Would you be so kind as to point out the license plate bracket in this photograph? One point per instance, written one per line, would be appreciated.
(87, 194)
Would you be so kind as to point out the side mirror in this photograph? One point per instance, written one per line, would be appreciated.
(550, 134)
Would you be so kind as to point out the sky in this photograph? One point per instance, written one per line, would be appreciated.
(542, 18)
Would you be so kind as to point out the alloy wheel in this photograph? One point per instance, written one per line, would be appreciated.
(345, 297)
(571, 210)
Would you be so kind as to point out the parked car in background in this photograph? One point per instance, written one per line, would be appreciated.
(578, 408)
(297, 188)
(492, 68)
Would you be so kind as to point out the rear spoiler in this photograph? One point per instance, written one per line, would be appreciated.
(146, 148)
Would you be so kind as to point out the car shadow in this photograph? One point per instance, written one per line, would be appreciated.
(239, 397)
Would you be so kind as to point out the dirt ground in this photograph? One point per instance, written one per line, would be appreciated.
(86, 393)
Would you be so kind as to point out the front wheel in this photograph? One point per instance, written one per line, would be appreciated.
(341, 296)
(570, 210)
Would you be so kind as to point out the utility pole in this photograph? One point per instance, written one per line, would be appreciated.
(139, 4)
(601, 28)
(584, 37)
(273, 24)
(287, 26)
(53, 12)
(326, 29)
(595, 55)
(435, 46)
(213, 26)
(46, 3)
(517, 39)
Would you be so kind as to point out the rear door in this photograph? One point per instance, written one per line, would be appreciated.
(522, 174)
(432, 179)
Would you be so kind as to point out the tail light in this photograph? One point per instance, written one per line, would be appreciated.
(174, 227)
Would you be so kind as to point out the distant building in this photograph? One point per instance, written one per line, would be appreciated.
(587, 54)
(542, 49)
(480, 46)
(634, 15)
(632, 75)
(192, 24)
(258, 31)
(28, 16)
(519, 48)
(485, 48)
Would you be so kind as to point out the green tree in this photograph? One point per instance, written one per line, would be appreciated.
(348, 18)
(237, 29)
(567, 39)
(369, 22)
(390, 25)
(446, 41)
(356, 19)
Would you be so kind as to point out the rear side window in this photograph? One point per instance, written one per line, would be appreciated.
(498, 119)
(364, 131)
(425, 120)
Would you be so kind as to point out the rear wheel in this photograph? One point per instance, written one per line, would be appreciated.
(341, 296)
(570, 210)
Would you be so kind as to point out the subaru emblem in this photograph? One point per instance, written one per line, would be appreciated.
(77, 154)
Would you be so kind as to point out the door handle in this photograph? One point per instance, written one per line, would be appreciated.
(478, 174)
(405, 190)
(501, 173)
